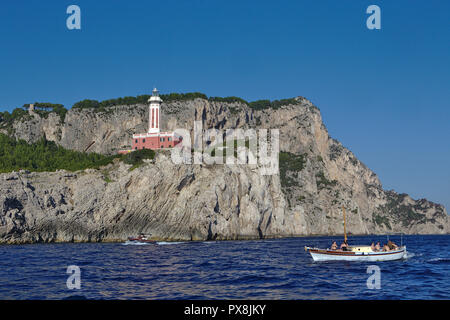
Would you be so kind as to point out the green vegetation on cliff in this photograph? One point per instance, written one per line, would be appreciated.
(45, 156)
(380, 220)
(228, 100)
(323, 182)
(136, 158)
(143, 99)
(402, 212)
(45, 108)
(290, 163)
(183, 96)
(7, 119)
(102, 105)
(275, 104)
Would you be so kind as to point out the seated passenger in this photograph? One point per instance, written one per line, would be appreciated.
(334, 246)
(372, 246)
(386, 248)
(377, 247)
(344, 246)
(391, 245)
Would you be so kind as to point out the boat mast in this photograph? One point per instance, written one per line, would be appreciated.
(345, 232)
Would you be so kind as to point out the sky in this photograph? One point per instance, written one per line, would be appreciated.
(385, 94)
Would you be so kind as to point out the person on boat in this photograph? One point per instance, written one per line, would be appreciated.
(344, 246)
(377, 247)
(334, 246)
(372, 246)
(392, 245)
(386, 248)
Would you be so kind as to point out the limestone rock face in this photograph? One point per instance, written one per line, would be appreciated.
(198, 202)
(182, 202)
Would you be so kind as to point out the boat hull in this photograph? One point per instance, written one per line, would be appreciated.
(338, 255)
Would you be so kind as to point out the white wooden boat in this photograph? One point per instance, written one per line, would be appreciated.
(356, 253)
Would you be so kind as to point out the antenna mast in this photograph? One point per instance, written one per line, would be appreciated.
(345, 231)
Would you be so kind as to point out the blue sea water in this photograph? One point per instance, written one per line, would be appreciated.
(261, 269)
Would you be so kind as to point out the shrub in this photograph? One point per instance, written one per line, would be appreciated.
(86, 104)
(136, 157)
(228, 99)
(283, 102)
(260, 104)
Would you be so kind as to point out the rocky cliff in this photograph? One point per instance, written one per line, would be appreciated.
(181, 202)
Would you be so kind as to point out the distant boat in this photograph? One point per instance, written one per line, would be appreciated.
(356, 253)
(142, 238)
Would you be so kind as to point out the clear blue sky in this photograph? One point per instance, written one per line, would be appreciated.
(385, 94)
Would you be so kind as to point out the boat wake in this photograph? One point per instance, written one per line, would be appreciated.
(439, 260)
(409, 255)
(163, 243)
(134, 243)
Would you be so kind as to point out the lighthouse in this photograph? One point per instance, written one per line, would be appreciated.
(154, 138)
(154, 114)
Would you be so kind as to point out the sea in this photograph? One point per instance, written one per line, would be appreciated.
(277, 269)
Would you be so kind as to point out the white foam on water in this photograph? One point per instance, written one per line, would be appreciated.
(439, 260)
(162, 243)
(409, 255)
(133, 243)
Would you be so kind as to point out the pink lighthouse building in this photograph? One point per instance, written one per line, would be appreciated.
(154, 138)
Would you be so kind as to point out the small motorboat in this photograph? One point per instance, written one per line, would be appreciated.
(142, 238)
(357, 252)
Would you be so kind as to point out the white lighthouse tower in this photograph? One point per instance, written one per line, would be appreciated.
(155, 103)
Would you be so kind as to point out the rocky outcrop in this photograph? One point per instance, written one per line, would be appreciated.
(183, 202)
(169, 201)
